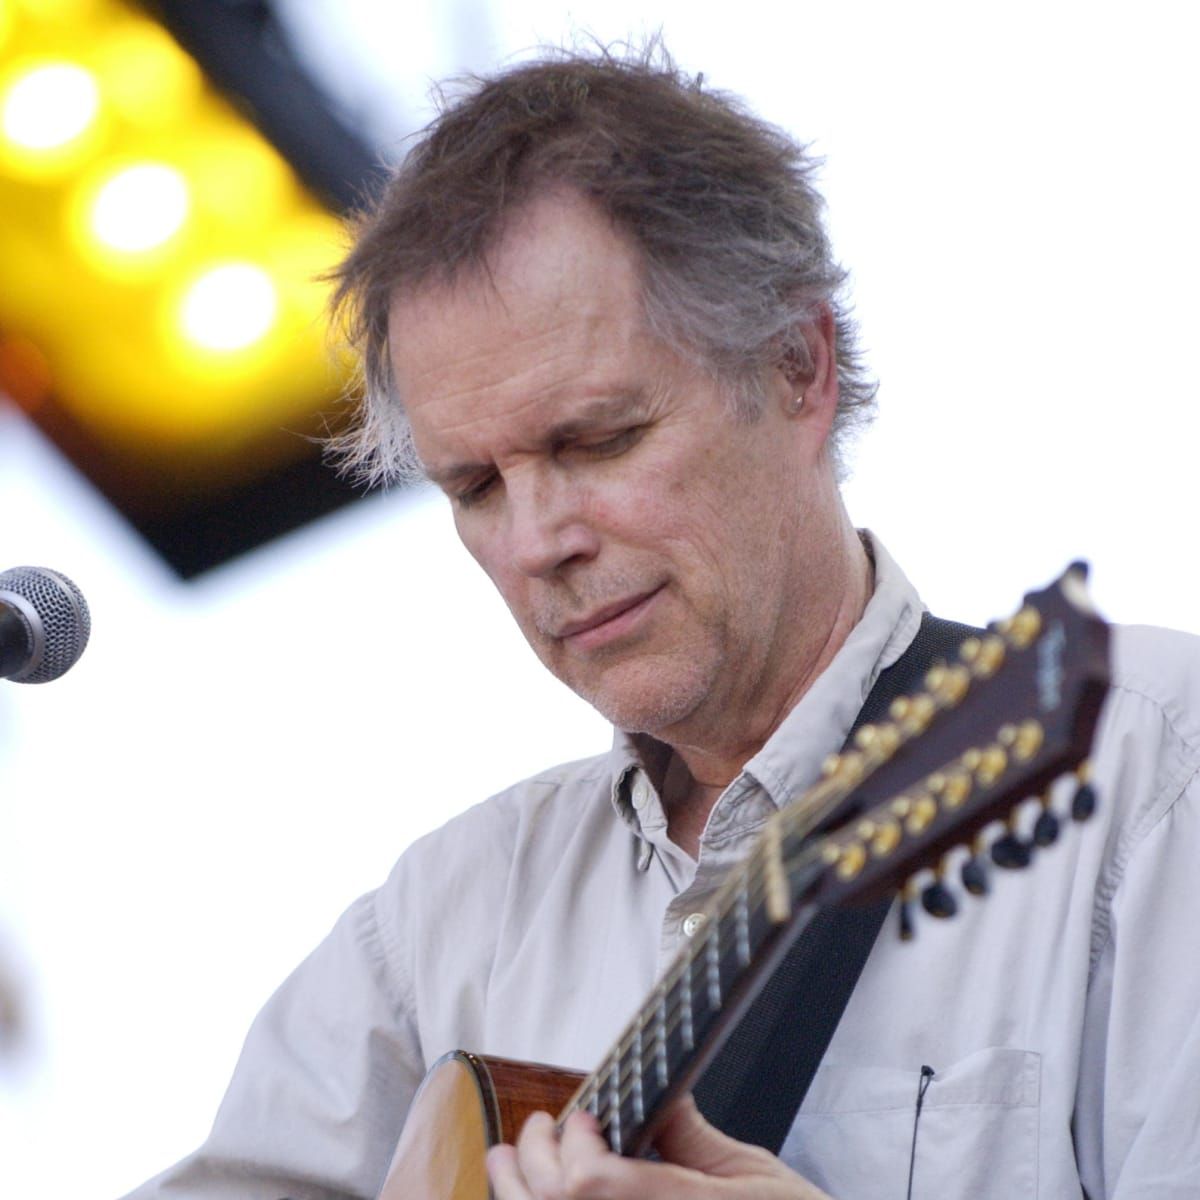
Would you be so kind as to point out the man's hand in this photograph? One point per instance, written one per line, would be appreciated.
(700, 1163)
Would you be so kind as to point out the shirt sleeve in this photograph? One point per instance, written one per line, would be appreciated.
(323, 1083)
(1138, 1109)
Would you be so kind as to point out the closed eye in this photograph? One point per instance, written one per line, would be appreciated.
(610, 444)
(476, 492)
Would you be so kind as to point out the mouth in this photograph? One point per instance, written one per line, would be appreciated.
(608, 623)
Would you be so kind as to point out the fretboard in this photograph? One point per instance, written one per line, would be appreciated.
(679, 1029)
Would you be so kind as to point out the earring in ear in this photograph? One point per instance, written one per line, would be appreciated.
(797, 402)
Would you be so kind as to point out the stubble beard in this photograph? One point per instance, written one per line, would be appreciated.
(651, 688)
(654, 691)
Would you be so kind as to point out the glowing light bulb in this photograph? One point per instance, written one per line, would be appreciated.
(49, 106)
(229, 307)
(140, 207)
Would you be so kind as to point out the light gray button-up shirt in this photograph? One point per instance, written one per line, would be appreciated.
(1060, 1016)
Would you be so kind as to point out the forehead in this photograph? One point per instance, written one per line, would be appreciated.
(555, 318)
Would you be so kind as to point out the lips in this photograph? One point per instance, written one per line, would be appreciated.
(595, 623)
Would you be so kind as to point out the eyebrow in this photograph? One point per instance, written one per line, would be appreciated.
(593, 413)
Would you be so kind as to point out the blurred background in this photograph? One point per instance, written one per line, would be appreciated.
(283, 674)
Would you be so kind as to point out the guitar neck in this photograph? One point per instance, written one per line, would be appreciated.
(682, 1025)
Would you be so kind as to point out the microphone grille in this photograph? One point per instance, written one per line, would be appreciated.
(63, 613)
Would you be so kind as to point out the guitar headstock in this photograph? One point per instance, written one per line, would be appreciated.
(997, 726)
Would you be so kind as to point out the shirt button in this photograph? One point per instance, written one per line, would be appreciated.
(692, 923)
(641, 793)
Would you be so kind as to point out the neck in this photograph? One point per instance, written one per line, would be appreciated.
(701, 770)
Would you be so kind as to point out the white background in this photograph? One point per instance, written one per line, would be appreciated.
(235, 759)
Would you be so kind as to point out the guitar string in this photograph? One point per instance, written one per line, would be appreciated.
(795, 818)
(753, 875)
(651, 1021)
(671, 988)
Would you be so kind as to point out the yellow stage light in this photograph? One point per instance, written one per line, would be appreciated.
(161, 258)
(61, 11)
(139, 208)
(149, 81)
(48, 106)
(229, 308)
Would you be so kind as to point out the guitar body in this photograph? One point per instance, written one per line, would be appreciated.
(465, 1104)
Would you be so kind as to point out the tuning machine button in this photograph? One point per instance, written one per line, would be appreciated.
(937, 899)
(1083, 803)
(974, 876)
(1046, 829)
(974, 873)
(1011, 851)
(904, 911)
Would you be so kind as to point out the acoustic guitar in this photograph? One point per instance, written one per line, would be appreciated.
(972, 760)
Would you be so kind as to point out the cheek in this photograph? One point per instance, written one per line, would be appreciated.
(487, 551)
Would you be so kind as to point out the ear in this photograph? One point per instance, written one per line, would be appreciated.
(809, 368)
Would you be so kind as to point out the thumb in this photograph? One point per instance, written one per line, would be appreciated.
(688, 1139)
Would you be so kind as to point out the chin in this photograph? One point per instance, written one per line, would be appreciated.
(649, 698)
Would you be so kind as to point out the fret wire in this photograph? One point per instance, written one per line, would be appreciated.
(661, 1053)
(712, 965)
(742, 924)
(685, 993)
(639, 1109)
(614, 1128)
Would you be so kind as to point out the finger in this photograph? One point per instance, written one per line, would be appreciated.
(688, 1139)
(507, 1181)
(581, 1134)
(538, 1155)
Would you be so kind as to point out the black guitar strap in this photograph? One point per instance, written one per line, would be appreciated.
(758, 1080)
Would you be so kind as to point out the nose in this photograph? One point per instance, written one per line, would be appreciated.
(547, 521)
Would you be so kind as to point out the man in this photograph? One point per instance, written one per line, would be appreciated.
(597, 308)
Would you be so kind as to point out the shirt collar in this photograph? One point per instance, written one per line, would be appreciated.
(790, 762)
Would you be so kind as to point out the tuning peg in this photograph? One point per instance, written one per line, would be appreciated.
(1045, 831)
(983, 655)
(1021, 629)
(913, 713)
(1083, 803)
(1010, 851)
(881, 741)
(937, 899)
(974, 873)
(907, 929)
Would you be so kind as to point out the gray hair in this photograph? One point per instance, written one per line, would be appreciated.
(721, 205)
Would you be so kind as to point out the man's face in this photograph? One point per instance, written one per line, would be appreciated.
(654, 549)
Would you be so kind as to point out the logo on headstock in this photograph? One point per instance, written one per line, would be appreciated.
(1050, 666)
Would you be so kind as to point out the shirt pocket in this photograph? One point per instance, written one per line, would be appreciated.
(977, 1135)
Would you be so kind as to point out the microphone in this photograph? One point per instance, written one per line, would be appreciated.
(44, 624)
